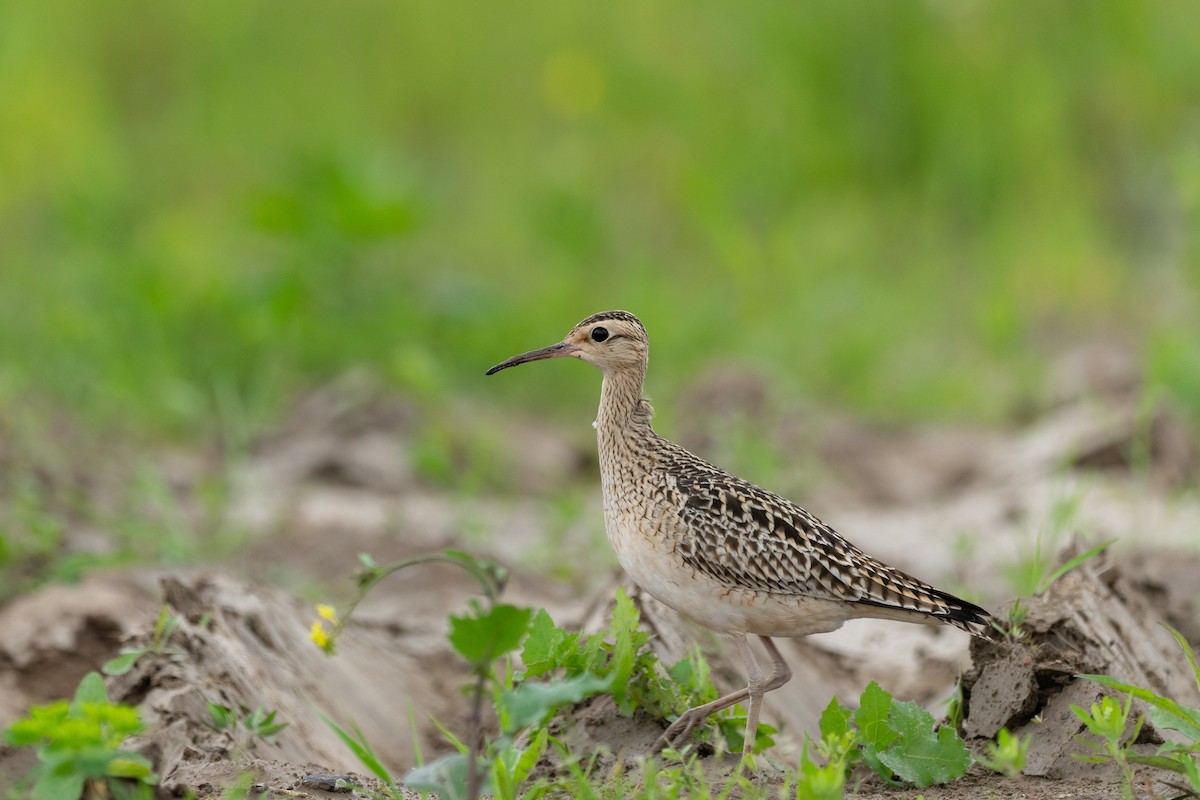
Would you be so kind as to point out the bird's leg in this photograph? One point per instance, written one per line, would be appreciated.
(757, 686)
(691, 719)
(780, 674)
(755, 689)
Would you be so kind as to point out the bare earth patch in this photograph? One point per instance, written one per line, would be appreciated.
(340, 479)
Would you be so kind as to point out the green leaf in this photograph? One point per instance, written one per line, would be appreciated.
(43, 722)
(693, 678)
(132, 765)
(872, 718)
(519, 763)
(1164, 712)
(51, 786)
(124, 662)
(835, 720)
(1182, 720)
(222, 717)
(1072, 564)
(484, 636)
(1175, 762)
(622, 630)
(531, 701)
(447, 777)
(457, 743)
(817, 782)
(164, 626)
(361, 749)
(1187, 651)
(91, 691)
(921, 755)
(547, 646)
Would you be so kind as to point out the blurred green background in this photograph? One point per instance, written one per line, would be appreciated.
(902, 208)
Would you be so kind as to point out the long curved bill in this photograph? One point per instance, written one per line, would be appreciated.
(553, 351)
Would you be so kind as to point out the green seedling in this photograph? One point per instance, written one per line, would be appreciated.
(1073, 563)
(896, 739)
(164, 626)
(1007, 754)
(638, 679)
(257, 722)
(358, 744)
(1013, 626)
(79, 747)
(1108, 721)
(1032, 574)
(838, 748)
(1166, 714)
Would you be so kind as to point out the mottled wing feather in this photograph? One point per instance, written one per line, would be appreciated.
(744, 536)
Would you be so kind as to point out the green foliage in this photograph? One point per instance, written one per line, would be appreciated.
(448, 777)
(531, 701)
(164, 626)
(896, 739)
(257, 722)
(1108, 720)
(1013, 625)
(623, 656)
(484, 635)
(358, 744)
(1072, 563)
(1006, 755)
(922, 754)
(838, 747)
(44, 502)
(1033, 572)
(820, 782)
(562, 667)
(167, 265)
(79, 743)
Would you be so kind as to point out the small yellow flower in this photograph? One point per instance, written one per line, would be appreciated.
(320, 638)
(328, 612)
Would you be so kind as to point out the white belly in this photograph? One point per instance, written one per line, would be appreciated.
(646, 551)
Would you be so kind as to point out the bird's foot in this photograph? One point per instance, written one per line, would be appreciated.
(681, 729)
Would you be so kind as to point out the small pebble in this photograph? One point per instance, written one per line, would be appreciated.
(327, 783)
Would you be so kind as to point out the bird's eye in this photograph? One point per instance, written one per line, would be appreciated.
(599, 334)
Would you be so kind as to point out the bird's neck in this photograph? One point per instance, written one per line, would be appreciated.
(623, 412)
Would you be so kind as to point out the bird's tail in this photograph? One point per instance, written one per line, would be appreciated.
(896, 595)
(969, 617)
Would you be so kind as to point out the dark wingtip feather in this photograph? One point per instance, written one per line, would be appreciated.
(969, 617)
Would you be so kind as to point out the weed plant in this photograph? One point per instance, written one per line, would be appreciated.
(1108, 721)
(79, 747)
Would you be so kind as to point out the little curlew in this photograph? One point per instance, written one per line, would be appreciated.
(731, 556)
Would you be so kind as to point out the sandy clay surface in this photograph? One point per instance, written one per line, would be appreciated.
(953, 506)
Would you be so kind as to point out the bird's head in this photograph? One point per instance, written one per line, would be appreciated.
(611, 340)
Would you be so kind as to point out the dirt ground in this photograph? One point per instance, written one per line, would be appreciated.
(951, 505)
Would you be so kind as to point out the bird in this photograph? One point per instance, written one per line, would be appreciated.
(731, 556)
